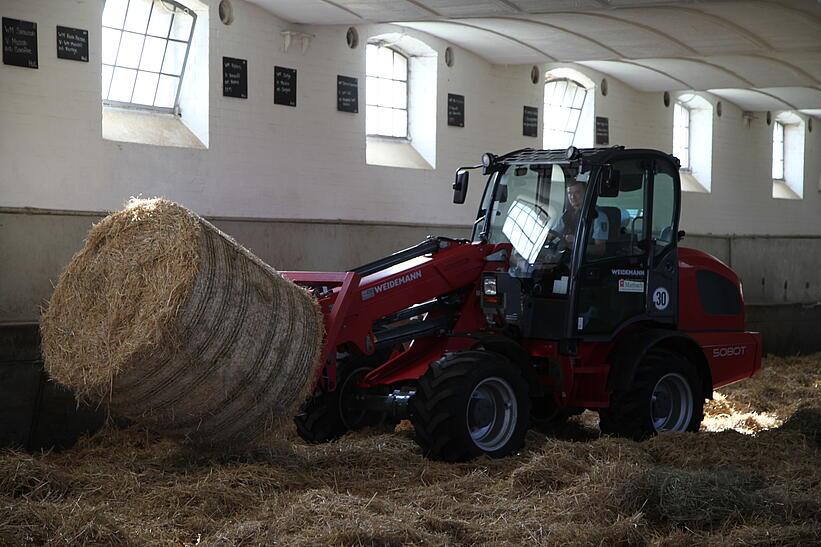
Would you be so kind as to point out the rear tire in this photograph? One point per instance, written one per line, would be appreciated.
(666, 395)
(468, 404)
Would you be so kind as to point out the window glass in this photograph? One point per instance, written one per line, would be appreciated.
(563, 103)
(528, 207)
(664, 203)
(386, 91)
(778, 151)
(618, 227)
(160, 23)
(681, 135)
(142, 63)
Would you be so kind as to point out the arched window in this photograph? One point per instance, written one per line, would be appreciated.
(693, 141)
(386, 92)
(145, 46)
(778, 151)
(788, 156)
(681, 135)
(564, 100)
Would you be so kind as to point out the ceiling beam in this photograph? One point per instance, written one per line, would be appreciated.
(721, 21)
(343, 8)
(423, 7)
(656, 70)
(648, 28)
(796, 69)
(717, 67)
(546, 55)
(803, 13)
(766, 94)
(726, 23)
(510, 5)
(558, 28)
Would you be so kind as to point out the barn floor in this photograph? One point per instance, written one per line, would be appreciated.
(752, 478)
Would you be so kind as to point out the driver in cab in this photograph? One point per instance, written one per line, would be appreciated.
(566, 226)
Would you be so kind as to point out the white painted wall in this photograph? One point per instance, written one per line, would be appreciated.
(263, 160)
(193, 102)
(308, 162)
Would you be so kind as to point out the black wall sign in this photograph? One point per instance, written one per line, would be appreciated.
(530, 122)
(347, 94)
(456, 110)
(72, 44)
(284, 86)
(602, 131)
(19, 43)
(234, 77)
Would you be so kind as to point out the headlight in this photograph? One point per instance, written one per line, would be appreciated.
(489, 286)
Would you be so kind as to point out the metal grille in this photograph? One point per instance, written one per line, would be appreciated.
(145, 50)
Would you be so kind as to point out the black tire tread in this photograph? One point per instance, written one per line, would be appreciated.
(436, 411)
(628, 413)
(318, 420)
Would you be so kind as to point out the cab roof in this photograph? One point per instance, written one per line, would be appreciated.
(575, 155)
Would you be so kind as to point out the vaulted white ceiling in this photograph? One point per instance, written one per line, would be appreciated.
(759, 54)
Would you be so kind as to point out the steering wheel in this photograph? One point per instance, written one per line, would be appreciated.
(553, 243)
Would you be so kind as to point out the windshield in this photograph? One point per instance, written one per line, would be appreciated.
(531, 210)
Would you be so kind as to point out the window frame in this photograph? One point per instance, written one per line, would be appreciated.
(687, 166)
(580, 109)
(395, 51)
(143, 107)
(782, 162)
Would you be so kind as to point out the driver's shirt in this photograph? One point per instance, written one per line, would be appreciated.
(569, 222)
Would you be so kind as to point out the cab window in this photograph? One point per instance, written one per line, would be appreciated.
(618, 228)
(664, 204)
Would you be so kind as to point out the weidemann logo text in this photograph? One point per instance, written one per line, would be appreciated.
(390, 284)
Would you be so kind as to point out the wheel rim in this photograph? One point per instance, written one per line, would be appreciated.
(671, 403)
(492, 413)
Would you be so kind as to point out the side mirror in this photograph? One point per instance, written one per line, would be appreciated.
(610, 179)
(460, 186)
(680, 235)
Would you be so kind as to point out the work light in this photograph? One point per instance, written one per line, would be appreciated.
(489, 286)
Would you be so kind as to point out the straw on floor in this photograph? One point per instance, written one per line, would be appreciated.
(176, 326)
(566, 487)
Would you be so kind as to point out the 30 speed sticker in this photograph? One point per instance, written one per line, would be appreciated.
(661, 298)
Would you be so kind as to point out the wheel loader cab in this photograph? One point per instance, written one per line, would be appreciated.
(590, 236)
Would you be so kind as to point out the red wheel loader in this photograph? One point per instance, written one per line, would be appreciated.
(572, 293)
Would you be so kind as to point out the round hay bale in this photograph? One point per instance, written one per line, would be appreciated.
(176, 326)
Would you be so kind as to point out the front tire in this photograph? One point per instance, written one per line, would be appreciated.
(468, 404)
(326, 416)
(666, 395)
